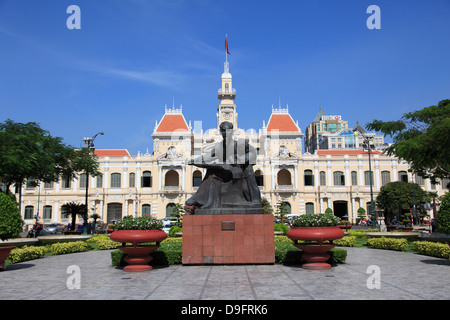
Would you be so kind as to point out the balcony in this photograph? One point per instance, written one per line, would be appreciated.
(285, 188)
(171, 189)
(230, 94)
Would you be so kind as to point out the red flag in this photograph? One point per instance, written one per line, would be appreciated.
(226, 45)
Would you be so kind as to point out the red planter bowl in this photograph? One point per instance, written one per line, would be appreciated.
(138, 257)
(4, 253)
(138, 236)
(319, 234)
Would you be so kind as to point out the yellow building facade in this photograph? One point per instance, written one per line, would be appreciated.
(154, 183)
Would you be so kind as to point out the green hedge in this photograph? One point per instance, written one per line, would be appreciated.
(68, 247)
(26, 253)
(434, 249)
(387, 243)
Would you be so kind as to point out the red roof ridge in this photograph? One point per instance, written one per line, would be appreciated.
(112, 153)
(172, 123)
(282, 122)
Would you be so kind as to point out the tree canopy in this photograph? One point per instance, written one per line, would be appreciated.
(422, 138)
(28, 151)
(399, 197)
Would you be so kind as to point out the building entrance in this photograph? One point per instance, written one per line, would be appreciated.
(114, 212)
(340, 208)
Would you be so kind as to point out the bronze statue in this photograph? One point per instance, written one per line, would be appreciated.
(229, 186)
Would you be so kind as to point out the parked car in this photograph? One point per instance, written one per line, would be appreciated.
(169, 221)
(54, 228)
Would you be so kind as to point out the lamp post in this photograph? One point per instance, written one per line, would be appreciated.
(89, 142)
(367, 144)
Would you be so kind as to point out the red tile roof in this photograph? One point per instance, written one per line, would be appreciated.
(171, 123)
(344, 152)
(281, 122)
(112, 153)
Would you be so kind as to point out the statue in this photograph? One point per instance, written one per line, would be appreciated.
(229, 185)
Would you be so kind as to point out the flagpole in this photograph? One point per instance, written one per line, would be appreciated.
(226, 54)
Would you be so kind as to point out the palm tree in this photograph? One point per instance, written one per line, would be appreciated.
(74, 209)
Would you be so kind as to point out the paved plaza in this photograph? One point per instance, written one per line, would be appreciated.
(368, 274)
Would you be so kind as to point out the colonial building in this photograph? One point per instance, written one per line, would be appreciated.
(153, 183)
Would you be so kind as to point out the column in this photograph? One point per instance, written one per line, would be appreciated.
(330, 176)
(101, 211)
(377, 174)
(353, 210)
(295, 177)
(159, 177)
(56, 211)
(348, 178)
(321, 204)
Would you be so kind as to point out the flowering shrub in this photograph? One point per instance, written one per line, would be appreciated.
(138, 223)
(189, 209)
(316, 220)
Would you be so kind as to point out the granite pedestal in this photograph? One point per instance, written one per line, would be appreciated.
(228, 239)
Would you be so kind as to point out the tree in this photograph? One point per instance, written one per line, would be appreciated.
(74, 209)
(28, 151)
(266, 206)
(422, 138)
(10, 220)
(397, 198)
(282, 209)
(443, 220)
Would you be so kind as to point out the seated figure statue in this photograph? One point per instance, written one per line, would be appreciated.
(229, 185)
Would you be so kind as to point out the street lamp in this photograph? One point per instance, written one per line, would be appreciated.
(89, 142)
(367, 143)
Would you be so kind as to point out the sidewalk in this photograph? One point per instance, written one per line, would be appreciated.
(402, 275)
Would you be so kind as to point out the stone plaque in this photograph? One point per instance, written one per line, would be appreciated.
(228, 225)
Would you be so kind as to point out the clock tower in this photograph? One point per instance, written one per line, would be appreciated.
(226, 111)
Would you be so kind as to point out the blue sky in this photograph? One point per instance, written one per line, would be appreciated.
(132, 57)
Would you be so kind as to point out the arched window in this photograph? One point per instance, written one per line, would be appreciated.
(354, 178)
(83, 181)
(146, 209)
(323, 180)
(132, 180)
(29, 210)
(64, 212)
(339, 178)
(402, 176)
(146, 180)
(65, 183)
(367, 175)
(169, 209)
(309, 208)
(47, 212)
(172, 178)
(196, 178)
(100, 181)
(385, 177)
(284, 177)
(259, 178)
(309, 178)
(115, 180)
